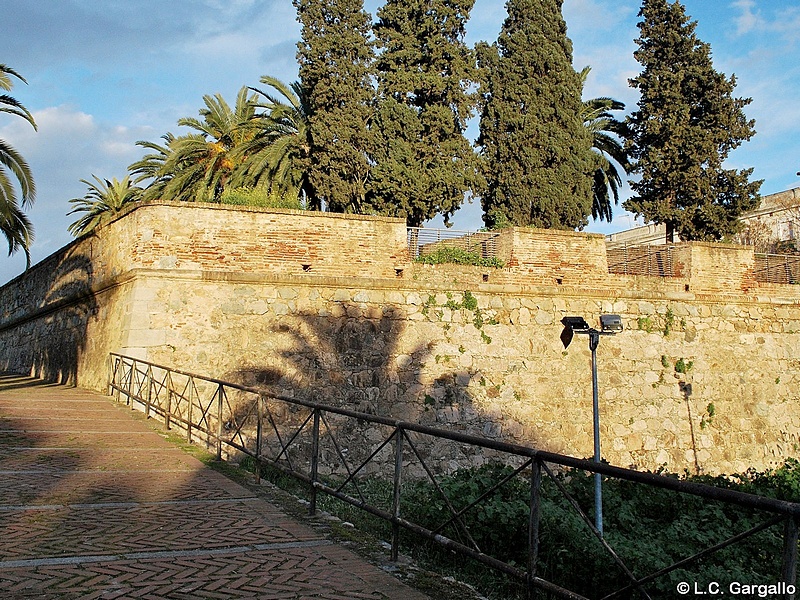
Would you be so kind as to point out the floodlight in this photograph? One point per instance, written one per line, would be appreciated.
(611, 323)
(575, 323)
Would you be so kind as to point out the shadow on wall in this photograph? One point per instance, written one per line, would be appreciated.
(58, 336)
(363, 362)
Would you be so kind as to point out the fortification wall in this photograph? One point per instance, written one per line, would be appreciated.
(703, 378)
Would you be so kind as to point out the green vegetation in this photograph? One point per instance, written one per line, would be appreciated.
(424, 165)
(276, 156)
(336, 69)
(645, 324)
(14, 224)
(669, 322)
(648, 527)
(197, 167)
(458, 256)
(686, 124)
(536, 152)
(708, 418)
(102, 201)
(469, 302)
(258, 197)
(609, 151)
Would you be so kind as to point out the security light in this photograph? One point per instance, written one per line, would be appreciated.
(575, 323)
(610, 323)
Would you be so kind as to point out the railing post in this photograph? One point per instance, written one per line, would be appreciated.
(149, 377)
(110, 375)
(189, 412)
(312, 507)
(130, 384)
(220, 392)
(168, 412)
(533, 523)
(789, 569)
(115, 377)
(259, 434)
(398, 470)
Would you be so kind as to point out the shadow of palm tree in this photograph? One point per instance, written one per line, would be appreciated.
(58, 335)
(359, 363)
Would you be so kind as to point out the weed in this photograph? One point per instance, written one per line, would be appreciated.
(470, 302)
(645, 324)
(458, 256)
(708, 418)
(669, 322)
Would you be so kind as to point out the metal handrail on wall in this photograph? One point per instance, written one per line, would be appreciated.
(288, 434)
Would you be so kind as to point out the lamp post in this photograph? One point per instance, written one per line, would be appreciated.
(609, 325)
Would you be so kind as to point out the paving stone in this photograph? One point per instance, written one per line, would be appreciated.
(95, 504)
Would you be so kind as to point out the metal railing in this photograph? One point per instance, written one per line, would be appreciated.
(302, 439)
(423, 241)
(777, 268)
(653, 261)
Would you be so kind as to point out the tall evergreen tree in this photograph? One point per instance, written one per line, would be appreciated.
(536, 150)
(686, 125)
(336, 66)
(424, 164)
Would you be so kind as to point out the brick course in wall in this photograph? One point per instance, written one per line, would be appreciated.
(329, 307)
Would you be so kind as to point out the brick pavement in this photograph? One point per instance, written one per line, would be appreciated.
(96, 504)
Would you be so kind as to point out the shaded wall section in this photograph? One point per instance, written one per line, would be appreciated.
(329, 307)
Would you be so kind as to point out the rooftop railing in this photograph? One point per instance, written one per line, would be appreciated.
(423, 241)
(651, 261)
(777, 268)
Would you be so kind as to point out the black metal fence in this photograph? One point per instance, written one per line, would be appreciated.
(304, 440)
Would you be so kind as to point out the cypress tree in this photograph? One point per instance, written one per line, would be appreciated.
(423, 163)
(336, 66)
(536, 150)
(686, 125)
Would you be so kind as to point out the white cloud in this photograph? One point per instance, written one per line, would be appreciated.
(747, 20)
(751, 19)
(70, 145)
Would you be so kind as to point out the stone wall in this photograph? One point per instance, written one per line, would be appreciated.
(328, 307)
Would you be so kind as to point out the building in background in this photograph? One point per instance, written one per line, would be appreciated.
(772, 228)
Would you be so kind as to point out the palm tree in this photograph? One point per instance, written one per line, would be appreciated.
(103, 200)
(608, 135)
(151, 166)
(198, 166)
(14, 225)
(277, 156)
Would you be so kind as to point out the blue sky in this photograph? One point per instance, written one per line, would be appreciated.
(103, 74)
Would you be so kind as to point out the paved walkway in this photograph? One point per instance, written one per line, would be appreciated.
(95, 504)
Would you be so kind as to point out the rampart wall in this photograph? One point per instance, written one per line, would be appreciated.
(705, 377)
